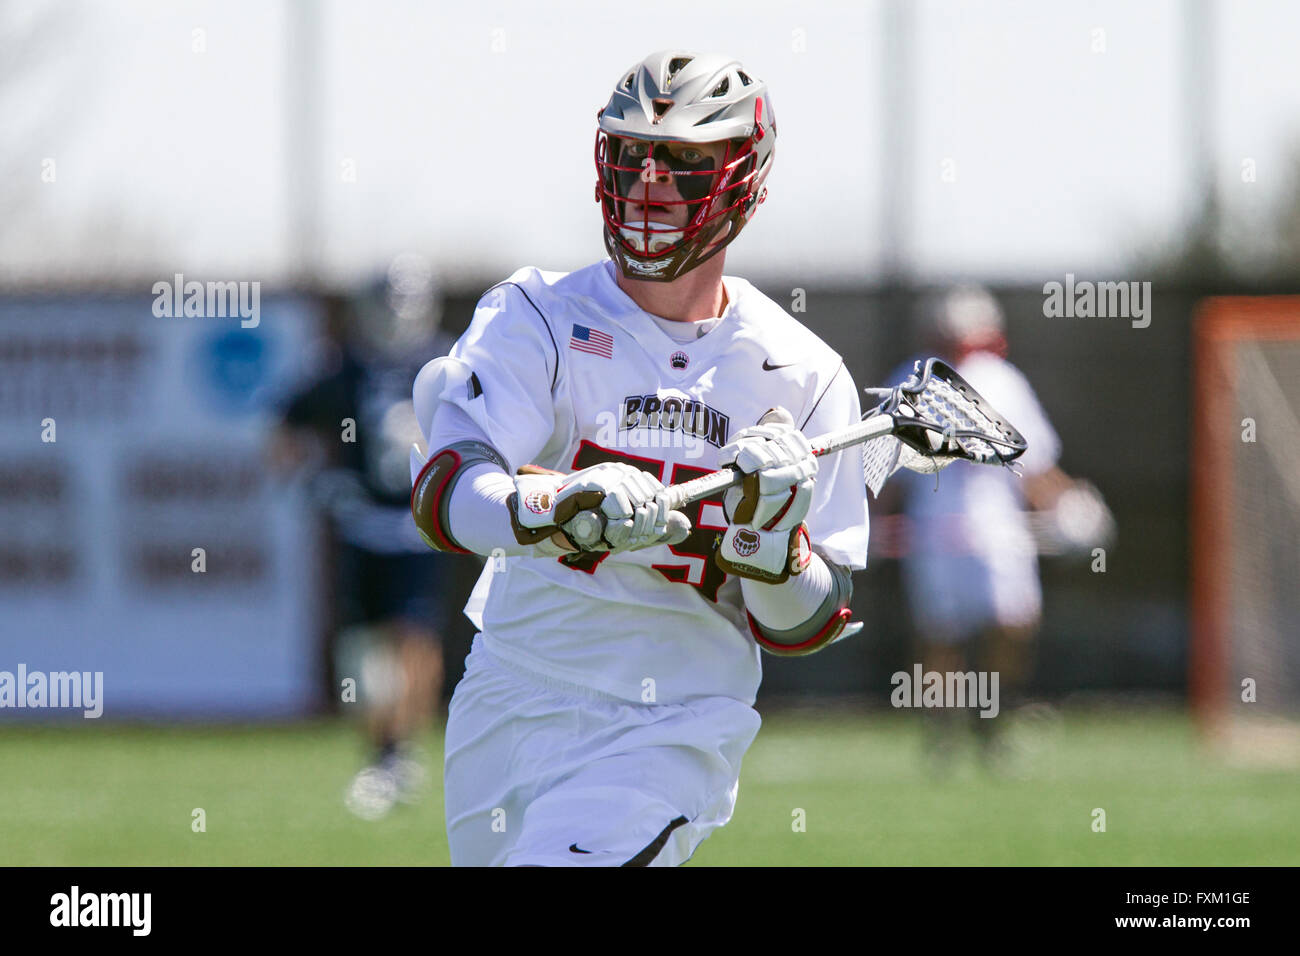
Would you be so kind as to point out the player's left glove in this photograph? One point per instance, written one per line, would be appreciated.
(631, 500)
(766, 539)
(636, 514)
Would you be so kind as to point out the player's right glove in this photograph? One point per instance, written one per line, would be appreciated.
(636, 515)
(766, 539)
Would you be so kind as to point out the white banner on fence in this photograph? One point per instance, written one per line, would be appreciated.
(141, 535)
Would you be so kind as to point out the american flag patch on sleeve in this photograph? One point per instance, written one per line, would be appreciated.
(593, 341)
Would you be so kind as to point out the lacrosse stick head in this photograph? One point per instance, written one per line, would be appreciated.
(939, 418)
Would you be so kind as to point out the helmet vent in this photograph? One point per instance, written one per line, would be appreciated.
(627, 84)
(661, 107)
(744, 78)
(676, 64)
(721, 88)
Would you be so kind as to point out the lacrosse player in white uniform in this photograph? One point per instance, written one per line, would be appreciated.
(971, 571)
(607, 699)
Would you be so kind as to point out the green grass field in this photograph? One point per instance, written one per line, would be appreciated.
(94, 794)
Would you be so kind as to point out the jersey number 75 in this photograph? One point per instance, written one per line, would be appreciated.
(697, 550)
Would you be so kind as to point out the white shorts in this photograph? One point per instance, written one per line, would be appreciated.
(540, 772)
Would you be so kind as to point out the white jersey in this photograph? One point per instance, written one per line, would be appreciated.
(568, 372)
(972, 560)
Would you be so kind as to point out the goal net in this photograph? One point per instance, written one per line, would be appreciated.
(1245, 528)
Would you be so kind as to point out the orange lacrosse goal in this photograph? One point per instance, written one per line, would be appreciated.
(1244, 660)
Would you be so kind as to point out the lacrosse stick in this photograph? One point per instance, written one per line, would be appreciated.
(931, 420)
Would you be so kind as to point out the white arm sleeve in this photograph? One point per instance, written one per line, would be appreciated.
(477, 514)
(784, 607)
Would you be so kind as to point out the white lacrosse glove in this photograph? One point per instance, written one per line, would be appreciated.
(766, 539)
(636, 515)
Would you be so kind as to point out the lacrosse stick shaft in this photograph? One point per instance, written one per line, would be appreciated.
(587, 527)
(935, 399)
(700, 488)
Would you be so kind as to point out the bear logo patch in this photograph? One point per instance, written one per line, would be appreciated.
(745, 542)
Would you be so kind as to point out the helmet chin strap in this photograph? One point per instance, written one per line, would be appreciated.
(659, 237)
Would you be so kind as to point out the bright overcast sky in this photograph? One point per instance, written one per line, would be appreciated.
(1026, 150)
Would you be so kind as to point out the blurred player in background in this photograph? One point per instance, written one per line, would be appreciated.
(608, 698)
(970, 569)
(389, 587)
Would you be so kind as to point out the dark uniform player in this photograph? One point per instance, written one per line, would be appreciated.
(390, 588)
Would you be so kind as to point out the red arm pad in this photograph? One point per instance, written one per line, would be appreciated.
(427, 504)
(813, 644)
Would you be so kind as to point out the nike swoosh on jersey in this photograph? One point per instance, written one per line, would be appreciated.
(573, 848)
(769, 367)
